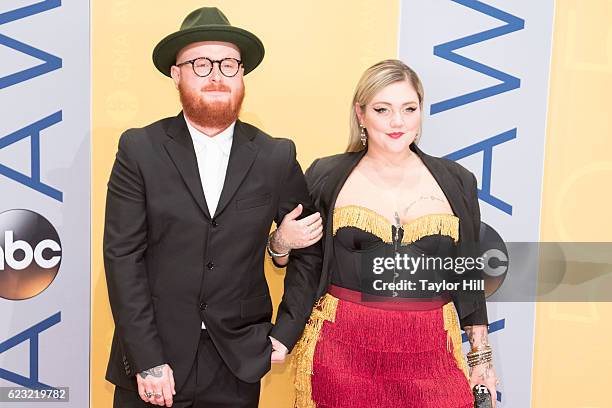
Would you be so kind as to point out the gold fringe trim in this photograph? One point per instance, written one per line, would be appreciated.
(374, 223)
(451, 325)
(303, 353)
(364, 219)
(430, 224)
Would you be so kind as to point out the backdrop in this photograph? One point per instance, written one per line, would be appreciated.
(316, 52)
(485, 67)
(44, 197)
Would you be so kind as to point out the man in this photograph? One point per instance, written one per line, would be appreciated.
(189, 206)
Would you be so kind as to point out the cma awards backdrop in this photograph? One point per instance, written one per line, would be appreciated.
(45, 198)
(486, 67)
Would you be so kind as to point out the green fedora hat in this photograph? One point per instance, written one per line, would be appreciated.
(208, 24)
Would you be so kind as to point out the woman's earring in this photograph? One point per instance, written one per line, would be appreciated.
(363, 136)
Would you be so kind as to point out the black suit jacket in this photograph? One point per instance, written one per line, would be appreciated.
(170, 265)
(326, 176)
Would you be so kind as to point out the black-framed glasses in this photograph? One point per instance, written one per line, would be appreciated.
(203, 66)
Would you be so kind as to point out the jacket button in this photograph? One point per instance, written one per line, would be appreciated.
(210, 265)
(203, 306)
(214, 224)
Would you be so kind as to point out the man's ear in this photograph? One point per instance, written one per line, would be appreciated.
(175, 73)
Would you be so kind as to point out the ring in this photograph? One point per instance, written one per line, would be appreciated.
(148, 394)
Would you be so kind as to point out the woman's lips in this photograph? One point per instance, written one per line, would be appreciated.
(395, 135)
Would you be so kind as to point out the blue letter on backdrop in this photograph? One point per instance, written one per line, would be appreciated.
(486, 147)
(32, 131)
(30, 334)
(447, 52)
(50, 62)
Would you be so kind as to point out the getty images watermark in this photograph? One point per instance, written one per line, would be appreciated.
(424, 273)
(505, 271)
(409, 271)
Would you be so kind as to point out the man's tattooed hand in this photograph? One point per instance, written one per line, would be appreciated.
(155, 372)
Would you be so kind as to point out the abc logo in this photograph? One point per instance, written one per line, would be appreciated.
(30, 254)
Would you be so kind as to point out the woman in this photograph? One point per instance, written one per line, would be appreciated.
(385, 194)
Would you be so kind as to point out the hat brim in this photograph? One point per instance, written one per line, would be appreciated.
(251, 48)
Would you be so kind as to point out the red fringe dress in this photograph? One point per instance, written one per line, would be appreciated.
(364, 354)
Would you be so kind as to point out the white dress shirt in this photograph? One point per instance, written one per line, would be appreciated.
(212, 154)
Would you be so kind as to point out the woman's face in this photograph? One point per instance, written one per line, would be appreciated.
(392, 118)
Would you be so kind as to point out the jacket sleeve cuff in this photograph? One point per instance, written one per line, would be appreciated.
(276, 264)
(288, 333)
(477, 317)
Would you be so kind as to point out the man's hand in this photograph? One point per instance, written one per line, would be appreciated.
(295, 234)
(279, 351)
(156, 385)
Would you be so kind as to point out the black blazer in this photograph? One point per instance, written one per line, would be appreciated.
(170, 265)
(326, 176)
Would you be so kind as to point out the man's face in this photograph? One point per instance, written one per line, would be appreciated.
(212, 101)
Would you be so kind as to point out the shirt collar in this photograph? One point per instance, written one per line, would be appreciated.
(223, 140)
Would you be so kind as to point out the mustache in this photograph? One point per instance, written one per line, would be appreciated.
(217, 88)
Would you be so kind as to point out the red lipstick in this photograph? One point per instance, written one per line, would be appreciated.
(395, 135)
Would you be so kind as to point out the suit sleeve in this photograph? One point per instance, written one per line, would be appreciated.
(304, 268)
(479, 315)
(310, 180)
(125, 244)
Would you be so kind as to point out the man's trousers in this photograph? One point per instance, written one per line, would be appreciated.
(210, 384)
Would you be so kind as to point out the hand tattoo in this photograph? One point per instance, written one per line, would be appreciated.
(155, 372)
(279, 244)
(484, 370)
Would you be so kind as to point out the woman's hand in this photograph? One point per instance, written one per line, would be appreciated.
(485, 374)
(482, 373)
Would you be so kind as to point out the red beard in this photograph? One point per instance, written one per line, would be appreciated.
(217, 114)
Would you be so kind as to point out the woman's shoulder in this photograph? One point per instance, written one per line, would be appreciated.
(454, 168)
(317, 174)
(323, 166)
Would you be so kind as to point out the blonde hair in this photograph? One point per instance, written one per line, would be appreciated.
(372, 81)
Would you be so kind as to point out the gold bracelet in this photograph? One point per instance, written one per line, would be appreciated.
(480, 356)
(479, 362)
(488, 358)
(480, 352)
(484, 356)
(484, 347)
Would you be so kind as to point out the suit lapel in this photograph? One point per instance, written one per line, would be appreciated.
(181, 151)
(334, 183)
(451, 190)
(242, 156)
